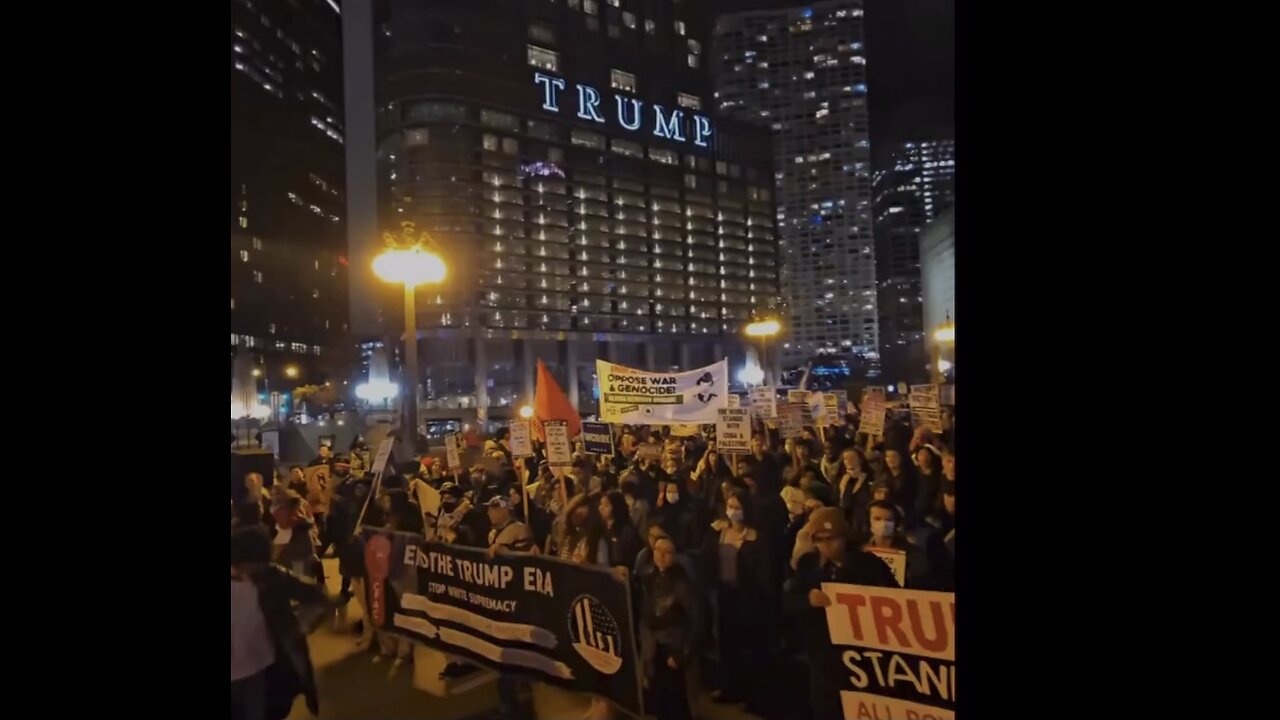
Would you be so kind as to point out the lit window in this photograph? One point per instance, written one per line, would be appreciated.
(510, 146)
(590, 7)
(491, 142)
(257, 276)
(695, 47)
(586, 139)
(650, 27)
(271, 328)
(575, 4)
(233, 307)
(315, 293)
(691, 181)
(625, 147)
(615, 3)
(244, 221)
(629, 19)
(663, 156)
(622, 80)
(257, 243)
(680, 27)
(690, 101)
(544, 58)
(693, 60)
(244, 256)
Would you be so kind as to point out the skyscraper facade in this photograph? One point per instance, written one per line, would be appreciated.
(916, 187)
(802, 72)
(567, 162)
(287, 194)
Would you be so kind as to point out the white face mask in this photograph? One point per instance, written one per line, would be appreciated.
(735, 516)
(673, 496)
(882, 528)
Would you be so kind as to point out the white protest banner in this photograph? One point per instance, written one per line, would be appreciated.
(631, 396)
(733, 431)
(380, 460)
(792, 421)
(521, 442)
(926, 406)
(764, 402)
(735, 402)
(896, 560)
(559, 454)
(451, 442)
(897, 647)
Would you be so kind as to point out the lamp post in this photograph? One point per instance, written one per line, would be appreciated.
(408, 261)
(944, 335)
(764, 330)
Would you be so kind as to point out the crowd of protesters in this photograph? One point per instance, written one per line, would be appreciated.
(725, 554)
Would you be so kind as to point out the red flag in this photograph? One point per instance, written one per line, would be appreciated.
(550, 403)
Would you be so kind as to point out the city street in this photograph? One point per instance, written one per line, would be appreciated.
(353, 687)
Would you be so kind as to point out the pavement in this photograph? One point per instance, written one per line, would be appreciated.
(353, 687)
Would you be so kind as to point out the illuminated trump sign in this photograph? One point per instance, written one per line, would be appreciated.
(629, 112)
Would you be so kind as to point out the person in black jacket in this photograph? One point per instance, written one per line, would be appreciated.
(852, 489)
(901, 477)
(670, 626)
(624, 541)
(929, 482)
(675, 515)
(261, 603)
(837, 560)
(737, 565)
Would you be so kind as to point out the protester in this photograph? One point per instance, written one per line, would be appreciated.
(293, 546)
(901, 480)
(637, 506)
(835, 560)
(738, 567)
(324, 458)
(459, 522)
(581, 537)
(853, 486)
(886, 521)
(624, 541)
(676, 517)
(831, 463)
(929, 481)
(670, 623)
(270, 661)
(538, 520)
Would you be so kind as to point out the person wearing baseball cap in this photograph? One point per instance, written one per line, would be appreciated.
(835, 559)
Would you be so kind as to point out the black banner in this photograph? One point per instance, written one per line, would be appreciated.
(554, 621)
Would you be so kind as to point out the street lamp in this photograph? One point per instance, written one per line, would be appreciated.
(291, 372)
(526, 411)
(407, 261)
(944, 335)
(764, 330)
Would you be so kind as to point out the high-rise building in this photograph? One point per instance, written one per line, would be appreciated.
(288, 274)
(916, 187)
(566, 159)
(802, 71)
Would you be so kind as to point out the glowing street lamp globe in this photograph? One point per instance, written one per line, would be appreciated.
(763, 328)
(526, 412)
(409, 266)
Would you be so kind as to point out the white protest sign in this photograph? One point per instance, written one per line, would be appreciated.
(631, 396)
(764, 402)
(521, 442)
(451, 442)
(896, 560)
(792, 425)
(926, 407)
(831, 409)
(733, 431)
(559, 453)
(872, 423)
(380, 460)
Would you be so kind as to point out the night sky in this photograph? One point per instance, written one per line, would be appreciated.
(910, 67)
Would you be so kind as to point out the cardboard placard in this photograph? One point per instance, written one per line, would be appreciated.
(559, 452)
(520, 439)
(764, 403)
(597, 438)
(380, 460)
(926, 407)
(733, 431)
(452, 458)
(792, 421)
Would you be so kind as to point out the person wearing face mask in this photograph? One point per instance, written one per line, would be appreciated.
(459, 522)
(675, 515)
(888, 533)
(836, 559)
(738, 568)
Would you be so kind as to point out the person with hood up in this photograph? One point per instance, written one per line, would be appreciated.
(836, 559)
(459, 522)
